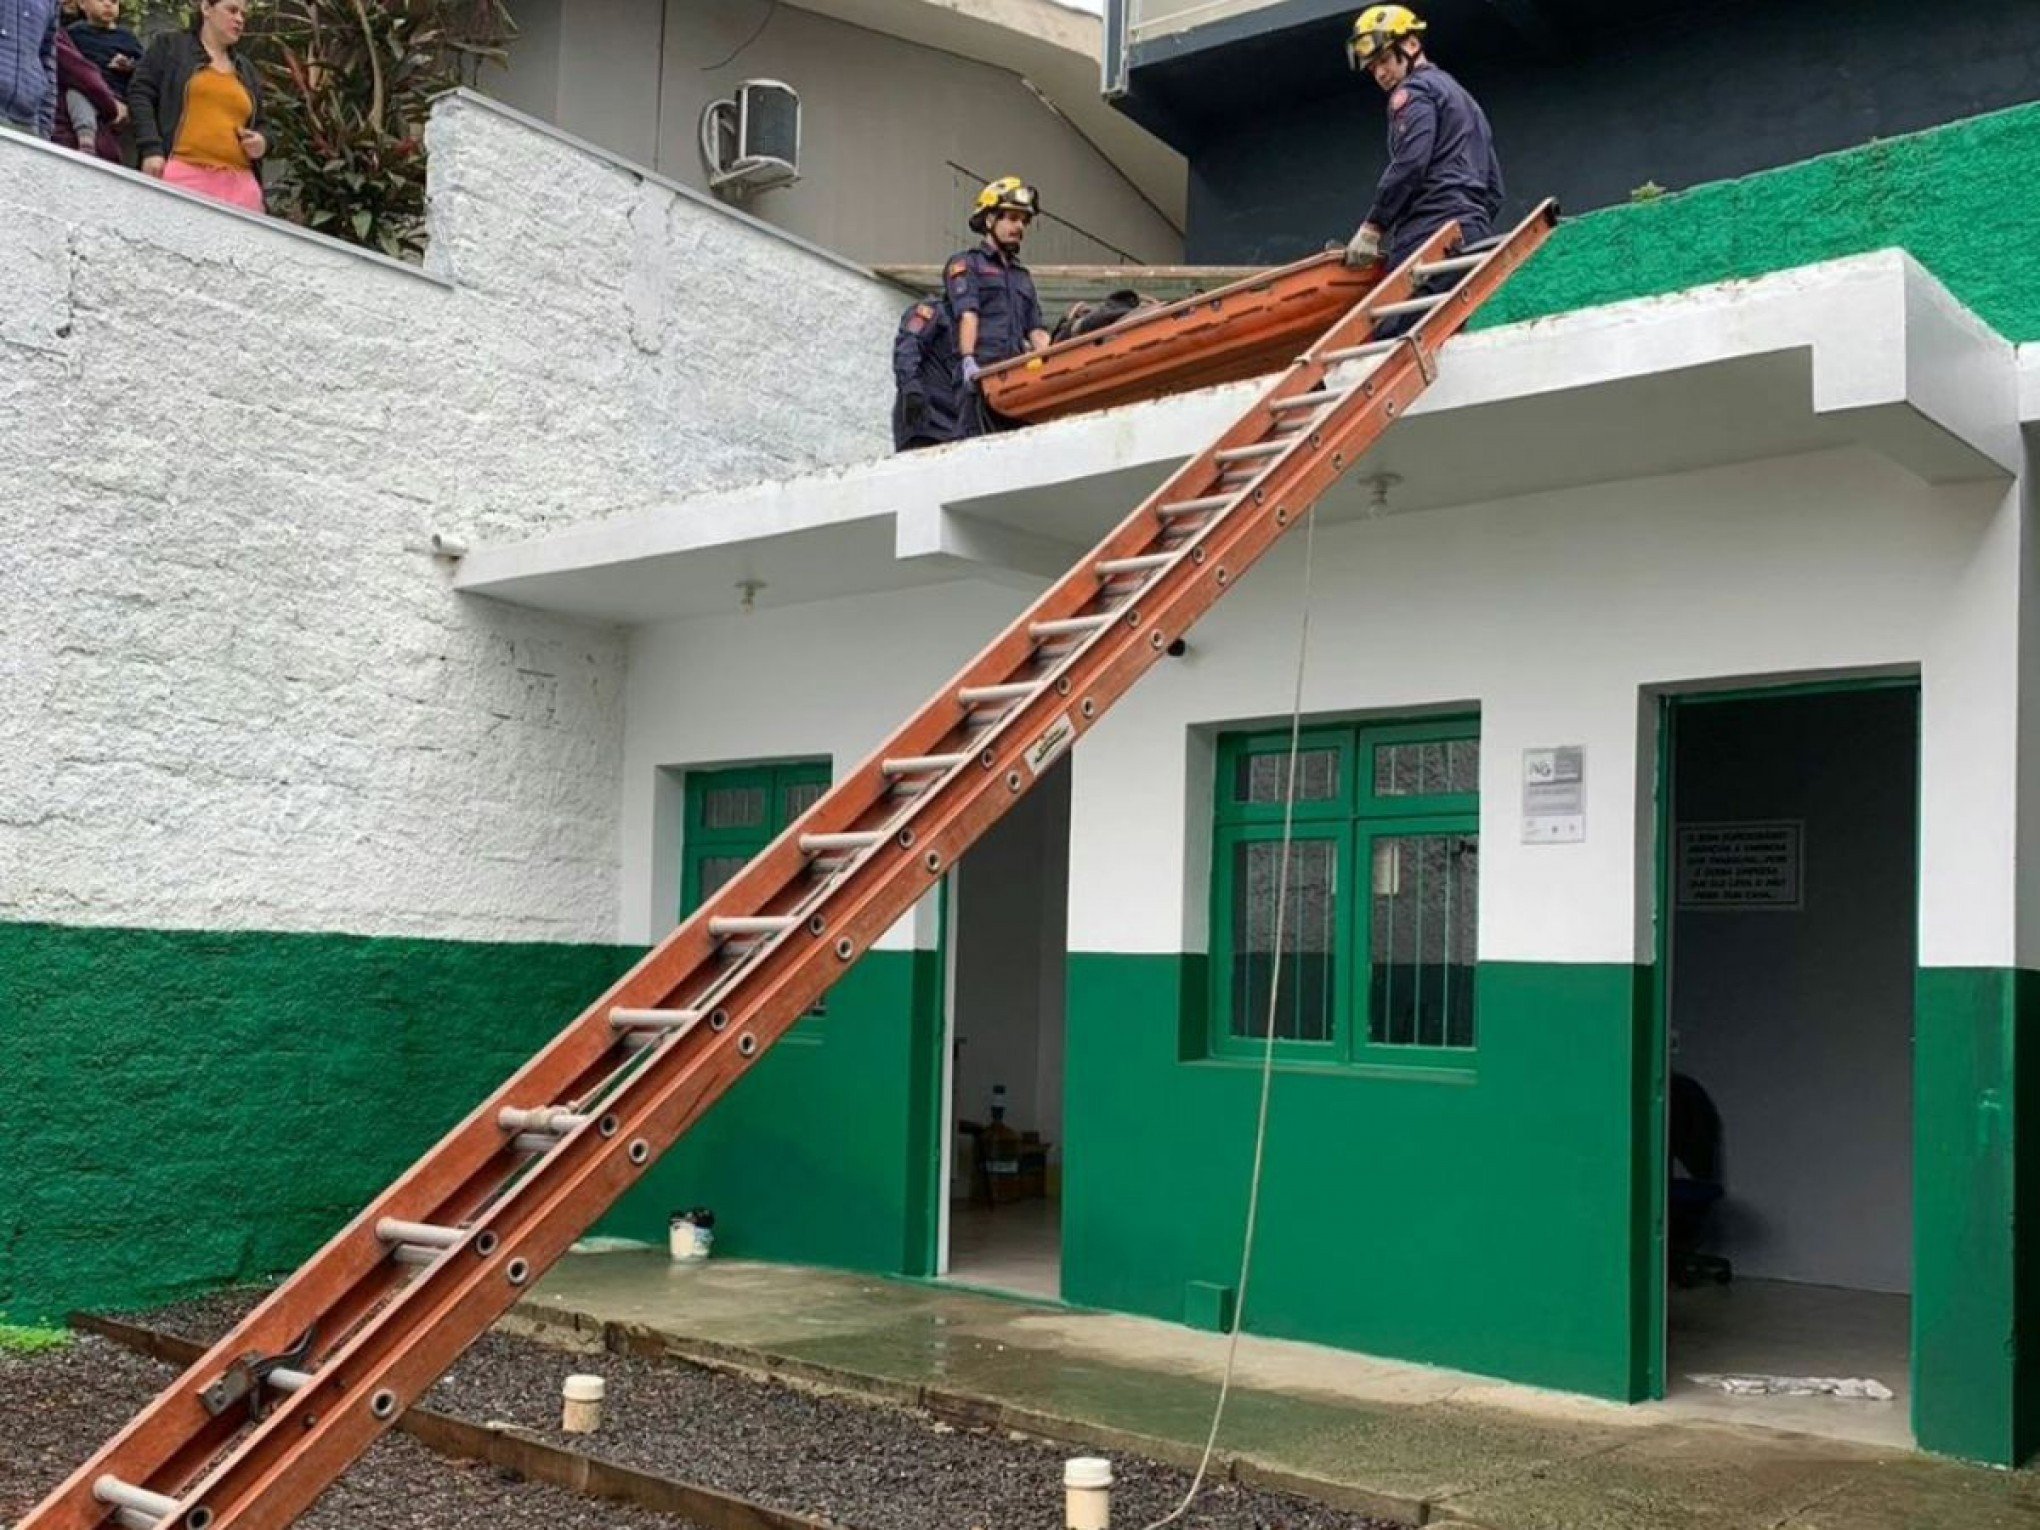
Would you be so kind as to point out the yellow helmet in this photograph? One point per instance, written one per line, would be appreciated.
(1008, 192)
(1377, 27)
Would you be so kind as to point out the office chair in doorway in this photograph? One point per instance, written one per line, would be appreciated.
(1696, 1184)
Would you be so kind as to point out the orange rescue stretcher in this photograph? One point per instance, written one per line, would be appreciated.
(1246, 329)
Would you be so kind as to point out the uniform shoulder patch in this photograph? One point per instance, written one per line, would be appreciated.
(918, 319)
(958, 266)
(1400, 99)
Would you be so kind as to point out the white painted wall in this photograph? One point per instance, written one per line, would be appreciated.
(1552, 614)
(882, 119)
(1798, 1022)
(237, 695)
(828, 678)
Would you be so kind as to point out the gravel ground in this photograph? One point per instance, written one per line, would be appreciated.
(866, 1465)
(57, 1407)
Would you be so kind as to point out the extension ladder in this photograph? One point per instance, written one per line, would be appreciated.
(260, 1425)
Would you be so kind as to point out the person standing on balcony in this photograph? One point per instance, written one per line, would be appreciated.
(1441, 153)
(990, 294)
(28, 65)
(929, 403)
(197, 108)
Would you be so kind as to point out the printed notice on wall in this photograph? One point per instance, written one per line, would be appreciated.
(1741, 865)
(1555, 795)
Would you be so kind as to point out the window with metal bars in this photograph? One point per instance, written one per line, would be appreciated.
(733, 814)
(1376, 954)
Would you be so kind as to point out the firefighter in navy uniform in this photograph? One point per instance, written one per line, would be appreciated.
(931, 405)
(990, 295)
(1441, 154)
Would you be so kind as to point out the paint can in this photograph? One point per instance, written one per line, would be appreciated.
(691, 1234)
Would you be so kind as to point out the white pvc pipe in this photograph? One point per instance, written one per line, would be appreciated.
(1087, 1493)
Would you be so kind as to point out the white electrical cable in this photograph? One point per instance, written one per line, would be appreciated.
(1239, 1314)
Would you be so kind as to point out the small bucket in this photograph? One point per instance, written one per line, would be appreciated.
(691, 1234)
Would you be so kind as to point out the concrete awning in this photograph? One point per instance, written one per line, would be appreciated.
(1868, 352)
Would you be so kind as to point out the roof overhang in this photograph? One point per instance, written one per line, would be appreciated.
(1868, 352)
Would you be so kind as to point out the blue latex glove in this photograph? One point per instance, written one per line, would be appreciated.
(970, 371)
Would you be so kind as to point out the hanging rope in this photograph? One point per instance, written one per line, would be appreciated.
(1239, 1316)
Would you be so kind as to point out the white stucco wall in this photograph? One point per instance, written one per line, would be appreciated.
(239, 695)
(1555, 614)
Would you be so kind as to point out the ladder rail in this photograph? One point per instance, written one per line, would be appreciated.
(385, 1330)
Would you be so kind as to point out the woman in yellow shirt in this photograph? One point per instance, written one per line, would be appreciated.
(197, 108)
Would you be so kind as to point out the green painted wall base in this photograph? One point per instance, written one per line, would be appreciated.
(827, 1152)
(1976, 1282)
(189, 1109)
(1483, 1219)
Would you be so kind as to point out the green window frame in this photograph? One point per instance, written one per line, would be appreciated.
(733, 814)
(1379, 938)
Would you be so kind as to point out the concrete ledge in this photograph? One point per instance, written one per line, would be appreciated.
(1869, 352)
(12, 140)
(964, 1410)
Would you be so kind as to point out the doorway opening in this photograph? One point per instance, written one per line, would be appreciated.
(1002, 1224)
(1789, 933)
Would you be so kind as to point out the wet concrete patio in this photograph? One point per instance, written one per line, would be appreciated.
(1415, 1442)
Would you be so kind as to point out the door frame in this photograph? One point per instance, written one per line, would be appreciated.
(1669, 702)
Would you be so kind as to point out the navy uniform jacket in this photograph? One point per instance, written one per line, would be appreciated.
(1001, 293)
(1441, 164)
(925, 366)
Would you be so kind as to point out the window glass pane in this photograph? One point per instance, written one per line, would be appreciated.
(733, 807)
(1420, 981)
(1309, 967)
(1259, 778)
(1430, 768)
(796, 800)
(718, 869)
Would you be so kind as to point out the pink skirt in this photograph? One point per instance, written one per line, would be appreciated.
(238, 188)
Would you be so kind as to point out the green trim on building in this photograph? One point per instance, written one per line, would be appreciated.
(826, 1151)
(1976, 1290)
(1957, 197)
(1483, 1219)
(190, 1108)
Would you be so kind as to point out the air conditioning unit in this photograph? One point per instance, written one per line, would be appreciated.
(751, 143)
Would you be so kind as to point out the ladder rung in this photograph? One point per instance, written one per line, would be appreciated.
(1113, 567)
(1251, 453)
(556, 1119)
(650, 1020)
(989, 695)
(135, 1519)
(922, 764)
(284, 1379)
(125, 1495)
(1457, 263)
(393, 1230)
(756, 924)
(1202, 505)
(1065, 626)
(1316, 399)
(1410, 305)
(534, 1142)
(1359, 352)
(411, 1253)
(815, 844)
